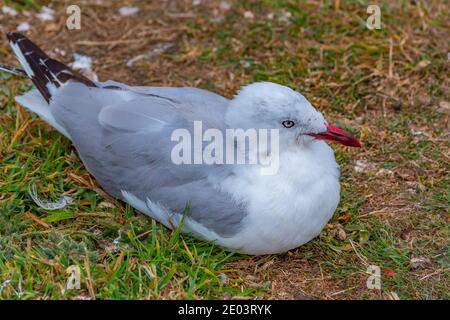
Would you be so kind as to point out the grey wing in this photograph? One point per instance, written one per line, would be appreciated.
(124, 139)
(192, 103)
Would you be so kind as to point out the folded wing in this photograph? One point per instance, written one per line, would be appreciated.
(124, 139)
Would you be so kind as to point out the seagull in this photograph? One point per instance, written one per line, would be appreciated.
(123, 135)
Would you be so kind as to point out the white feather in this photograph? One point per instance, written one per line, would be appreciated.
(48, 205)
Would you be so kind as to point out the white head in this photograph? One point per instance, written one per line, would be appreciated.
(267, 105)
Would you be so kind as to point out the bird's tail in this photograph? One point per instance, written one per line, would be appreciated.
(46, 73)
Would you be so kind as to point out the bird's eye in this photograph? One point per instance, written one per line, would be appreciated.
(288, 123)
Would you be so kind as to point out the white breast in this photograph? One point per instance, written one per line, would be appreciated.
(290, 208)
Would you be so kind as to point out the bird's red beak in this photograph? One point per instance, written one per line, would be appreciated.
(335, 134)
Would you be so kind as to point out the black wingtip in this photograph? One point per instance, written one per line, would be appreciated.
(14, 36)
(40, 68)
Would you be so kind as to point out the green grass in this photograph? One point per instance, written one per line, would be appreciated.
(23, 4)
(342, 67)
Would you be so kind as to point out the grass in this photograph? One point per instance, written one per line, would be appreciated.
(389, 86)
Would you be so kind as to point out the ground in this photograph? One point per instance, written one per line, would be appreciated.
(389, 86)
